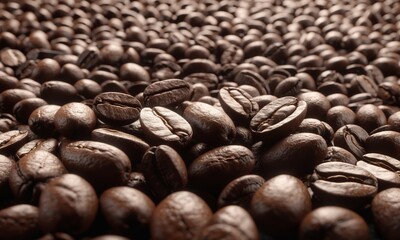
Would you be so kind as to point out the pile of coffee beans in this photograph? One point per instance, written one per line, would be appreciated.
(199, 119)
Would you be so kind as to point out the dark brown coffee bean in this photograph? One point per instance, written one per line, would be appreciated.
(6, 165)
(87, 88)
(166, 93)
(238, 104)
(163, 126)
(230, 222)
(45, 70)
(278, 119)
(338, 154)
(100, 164)
(252, 78)
(343, 184)
(363, 84)
(127, 211)
(280, 204)
(370, 117)
(49, 145)
(296, 155)
(164, 170)
(209, 124)
(32, 172)
(312, 125)
(59, 93)
(188, 207)
(240, 191)
(352, 138)
(217, 167)
(12, 140)
(109, 237)
(9, 98)
(385, 213)
(116, 108)
(12, 57)
(23, 109)
(340, 116)
(394, 121)
(385, 142)
(41, 120)
(134, 147)
(232, 54)
(67, 204)
(333, 222)
(30, 85)
(74, 120)
(317, 104)
(89, 58)
(19, 222)
(134, 72)
(7, 82)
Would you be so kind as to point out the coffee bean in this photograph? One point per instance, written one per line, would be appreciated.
(49, 145)
(89, 58)
(317, 104)
(12, 140)
(19, 222)
(385, 213)
(188, 207)
(127, 211)
(164, 170)
(32, 172)
(59, 208)
(6, 165)
(100, 164)
(170, 92)
(217, 167)
(12, 57)
(116, 108)
(333, 222)
(280, 204)
(252, 78)
(74, 120)
(59, 93)
(352, 138)
(23, 109)
(10, 97)
(370, 117)
(340, 116)
(278, 119)
(41, 120)
(343, 184)
(338, 154)
(318, 127)
(385, 142)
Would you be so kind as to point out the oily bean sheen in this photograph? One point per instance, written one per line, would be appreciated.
(343, 184)
(49, 145)
(333, 223)
(280, 204)
(12, 140)
(41, 120)
(101, 164)
(127, 211)
(116, 108)
(67, 204)
(238, 104)
(386, 212)
(278, 119)
(296, 154)
(19, 222)
(74, 120)
(131, 145)
(240, 191)
(209, 124)
(217, 167)
(386, 142)
(164, 170)
(163, 126)
(352, 138)
(230, 222)
(33, 171)
(170, 92)
(193, 214)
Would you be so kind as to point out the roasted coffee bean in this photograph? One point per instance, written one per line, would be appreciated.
(41, 120)
(35, 54)
(363, 84)
(343, 184)
(59, 93)
(386, 213)
(12, 57)
(394, 121)
(134, 147)
(100, 164)
(188, 207)
(134, 73)
(164, 170)
(19, 222)
(89, 58)
(317, 104)
(30, 85)
(7, 82)
(238, 104)
(12, 140)
(254, 79)
(340, 116)
(116, 108)
(333, 223)
(385, 142)
(163, 126)
(45, 70)
(6, 165)
(49, 145)
(217, 167)
(87, 88)
(312, 125)
(296, 155)
(74, 120)
(10, 97)
(280, 204)
(127, 211)
(67, 204)
(288, 87)
(209, 124)
(352, 138)
(278, 119)
(210, 80)
(240, 191)
(370, 117)
(167, 93)
(32, 172)
(25, 69)
(338, 154)
(230, 222)
(23, 109)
